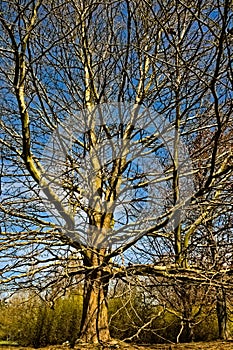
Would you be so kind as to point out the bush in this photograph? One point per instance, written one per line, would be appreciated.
(130, 311)
(30, 321)
(128, 314)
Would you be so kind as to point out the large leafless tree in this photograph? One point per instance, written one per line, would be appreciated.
(66, 214)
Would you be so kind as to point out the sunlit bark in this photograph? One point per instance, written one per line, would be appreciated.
(59, 60)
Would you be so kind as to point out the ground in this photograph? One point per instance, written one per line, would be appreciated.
(218, 345)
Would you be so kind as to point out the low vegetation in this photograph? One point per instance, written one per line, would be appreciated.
(31, 321)
(194, 346)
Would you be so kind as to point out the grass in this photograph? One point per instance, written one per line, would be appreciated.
(217, 345)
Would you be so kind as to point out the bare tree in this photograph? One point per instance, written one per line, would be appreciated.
(86, 183)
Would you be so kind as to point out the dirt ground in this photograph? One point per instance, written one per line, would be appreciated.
(218, 345)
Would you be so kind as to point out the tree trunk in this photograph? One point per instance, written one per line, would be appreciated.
(186, 333)
(94, 324)
(221, 308)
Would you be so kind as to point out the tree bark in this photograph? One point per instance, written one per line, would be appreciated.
(187, 334)
(221, 308)
(94, 323)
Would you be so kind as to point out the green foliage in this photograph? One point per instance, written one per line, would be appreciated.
(208, 329)
(130, 312)
(30, 321)
(128, 315)
(128, 318)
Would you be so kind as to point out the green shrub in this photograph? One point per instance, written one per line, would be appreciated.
(130, 311)
(128, 314)
(30, 321)
(207, 330)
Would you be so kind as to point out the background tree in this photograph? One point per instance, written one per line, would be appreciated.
(167, 56)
